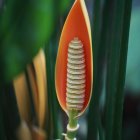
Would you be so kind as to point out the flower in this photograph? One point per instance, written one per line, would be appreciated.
(74, 64)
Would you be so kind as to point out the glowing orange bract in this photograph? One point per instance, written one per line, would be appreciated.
(77, 25)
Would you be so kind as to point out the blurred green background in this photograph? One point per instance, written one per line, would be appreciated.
(28, 25)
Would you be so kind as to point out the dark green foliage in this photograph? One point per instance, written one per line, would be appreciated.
(113, 40)
(116, 68)
(9, 115)
(2, 127)
(25, 26)
(52, 99)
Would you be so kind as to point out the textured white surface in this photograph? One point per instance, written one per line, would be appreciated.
(75, 75)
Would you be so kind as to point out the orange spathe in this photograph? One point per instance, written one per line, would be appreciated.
(76, 25)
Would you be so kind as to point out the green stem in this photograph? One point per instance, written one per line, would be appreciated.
(53, 124)
(52, 99)
(116, 68)
(122, 69)
(93, 108)
(73, 125)
(99, 48)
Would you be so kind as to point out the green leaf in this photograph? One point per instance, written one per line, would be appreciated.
(94, 104)
(116, 68)
(50, 52)
(25, 26)
(100, 32)
(64, 5)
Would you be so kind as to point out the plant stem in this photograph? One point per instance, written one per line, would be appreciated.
(122, 70)
(93, 108)
(100, 37)
(52, 99)
(73, 124)
(116, 68)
